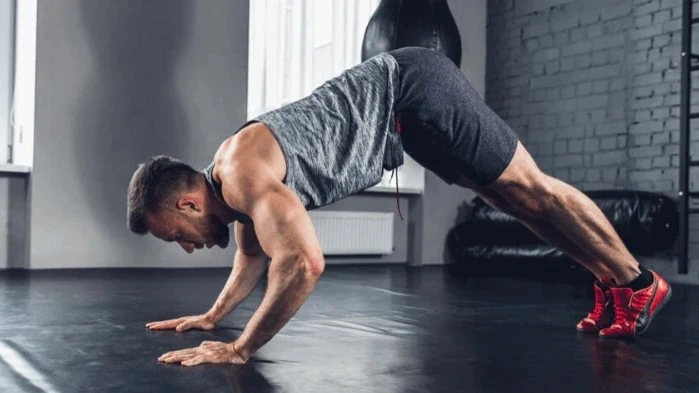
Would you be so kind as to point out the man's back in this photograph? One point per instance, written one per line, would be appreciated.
(338, 140)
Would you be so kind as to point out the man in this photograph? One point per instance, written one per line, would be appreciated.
(337, 141)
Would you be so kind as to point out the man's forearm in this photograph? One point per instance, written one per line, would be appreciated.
(246, 272)
(289, 284)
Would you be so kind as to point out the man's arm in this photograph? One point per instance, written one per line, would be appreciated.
(248, 266)
(286, 234)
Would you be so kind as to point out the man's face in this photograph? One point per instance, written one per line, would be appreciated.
(189, 229)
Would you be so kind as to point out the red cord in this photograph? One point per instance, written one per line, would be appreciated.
(399, 129)
(398, 197)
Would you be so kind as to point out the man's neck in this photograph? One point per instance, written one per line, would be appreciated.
(219, 208)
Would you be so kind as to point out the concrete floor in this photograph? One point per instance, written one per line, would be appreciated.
(364, 329)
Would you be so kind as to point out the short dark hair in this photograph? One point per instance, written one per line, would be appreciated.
(156, 183)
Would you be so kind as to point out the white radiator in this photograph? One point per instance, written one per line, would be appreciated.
(354, 233)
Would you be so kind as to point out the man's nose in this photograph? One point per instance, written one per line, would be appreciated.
(187, 246)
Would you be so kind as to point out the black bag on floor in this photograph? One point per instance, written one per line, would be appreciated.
(493, 241)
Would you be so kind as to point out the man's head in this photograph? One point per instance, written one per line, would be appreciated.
(171, 200)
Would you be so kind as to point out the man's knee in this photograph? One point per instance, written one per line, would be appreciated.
(527, 190)
(533, 198)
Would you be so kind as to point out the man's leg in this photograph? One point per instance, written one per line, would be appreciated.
(560, 215)
(544, 230)
(570, 221)
(448, 128)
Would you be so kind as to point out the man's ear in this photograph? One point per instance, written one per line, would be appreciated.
(189, 202)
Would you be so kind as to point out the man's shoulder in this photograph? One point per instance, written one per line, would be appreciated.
(249, 152)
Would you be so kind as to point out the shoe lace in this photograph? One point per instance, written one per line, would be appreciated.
(622, 315)
(601, 302)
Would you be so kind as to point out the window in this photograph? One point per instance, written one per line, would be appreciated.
(17, 82)
(296, 45)
(7, 36)
(24, 82)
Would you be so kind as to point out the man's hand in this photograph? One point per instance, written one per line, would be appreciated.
(207, 352)
(201, 322)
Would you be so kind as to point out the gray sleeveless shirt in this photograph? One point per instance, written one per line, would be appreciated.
(338, 140)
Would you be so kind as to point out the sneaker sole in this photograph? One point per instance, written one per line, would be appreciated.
(587, 331)
(660, 307)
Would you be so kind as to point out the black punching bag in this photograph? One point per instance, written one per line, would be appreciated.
(400, 23)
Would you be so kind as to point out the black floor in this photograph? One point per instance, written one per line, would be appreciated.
(364, 329)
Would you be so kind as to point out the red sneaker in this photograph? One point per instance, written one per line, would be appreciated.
(601, 315)
(634, 311)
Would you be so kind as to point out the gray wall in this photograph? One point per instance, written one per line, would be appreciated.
(592, 86)
(14, 233)
(4, 221)
(120, 81)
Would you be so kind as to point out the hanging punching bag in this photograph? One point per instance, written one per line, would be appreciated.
(400, 23)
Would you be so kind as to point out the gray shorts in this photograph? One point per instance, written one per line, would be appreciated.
(444, 124)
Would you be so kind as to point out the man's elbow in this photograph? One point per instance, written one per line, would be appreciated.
(307, 266)
(311, 265)
(314, 266)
